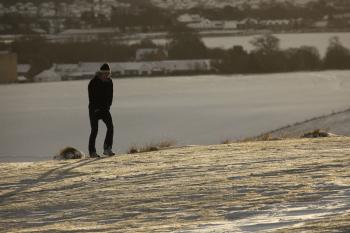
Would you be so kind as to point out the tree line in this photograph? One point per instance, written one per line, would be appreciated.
(270, 10)
(184, 43)
(268, 57)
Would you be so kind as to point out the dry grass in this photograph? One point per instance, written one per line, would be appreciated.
(190, 189)
(317, 133)
(151, 147)
(260, 138)
(323, 117)
(227, 141)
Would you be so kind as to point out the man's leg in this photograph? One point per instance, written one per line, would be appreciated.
(94, 130)
(107, 119)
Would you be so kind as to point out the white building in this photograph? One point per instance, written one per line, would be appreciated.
(206, 24)
(151, 54)
(247, 23)
(188, 65)
(161, 67)
(87, 70)
(274, 23)
(189, 18)
(230, 24)
(321, 24)
(22, 72)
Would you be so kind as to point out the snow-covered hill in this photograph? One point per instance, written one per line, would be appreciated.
(336, 123)
(300, 185)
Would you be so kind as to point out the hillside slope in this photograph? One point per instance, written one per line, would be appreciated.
(337, 123)
(287, 186)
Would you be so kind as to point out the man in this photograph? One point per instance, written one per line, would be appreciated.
(100, 100)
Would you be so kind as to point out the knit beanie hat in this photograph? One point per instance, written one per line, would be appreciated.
(105, 68)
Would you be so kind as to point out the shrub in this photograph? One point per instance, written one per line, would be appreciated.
(317, 133)
(69, 153)
(151, 147)
(337, 56)
(303, 58)
(263, 137)
(226, 141)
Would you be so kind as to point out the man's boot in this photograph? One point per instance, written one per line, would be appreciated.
(108, 152)
(94, 155)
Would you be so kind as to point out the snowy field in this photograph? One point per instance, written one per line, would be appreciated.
(37, 120)
(287, 40)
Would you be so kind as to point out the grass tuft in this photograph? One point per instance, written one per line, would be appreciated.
(133, 150)
(151, 147)
(226, 141)
(317, 133)
(262, 137)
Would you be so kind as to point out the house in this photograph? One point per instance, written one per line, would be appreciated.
(166, 67)
(206, 24)
(278, 23)
(116, 69)
(145, 54)
(341, 5)
(248, 23)
(341, 16)
(189, 18)
(91, 67)
(182, 66)
(230, 24)
(87, 70)
(135, 68)
(321, 24)
(343, 19)
(47, 9)
(8, 67)
(23, 69)
(22, 72)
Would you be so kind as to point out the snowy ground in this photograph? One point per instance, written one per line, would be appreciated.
(336, 123)
(287, 186)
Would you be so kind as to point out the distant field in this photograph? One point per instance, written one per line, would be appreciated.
(37, 120)
(288, 40)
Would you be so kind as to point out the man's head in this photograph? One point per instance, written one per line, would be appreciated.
(104, 72)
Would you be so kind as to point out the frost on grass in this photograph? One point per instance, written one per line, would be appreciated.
(296, 185)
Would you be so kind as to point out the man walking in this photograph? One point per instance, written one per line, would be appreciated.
(100, 100)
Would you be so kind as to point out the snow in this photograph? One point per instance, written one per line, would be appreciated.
(299, 185)
(47, 76)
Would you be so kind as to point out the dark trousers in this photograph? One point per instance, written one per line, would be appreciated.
(106, 117)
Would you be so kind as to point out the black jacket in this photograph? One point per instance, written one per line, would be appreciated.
(100, 94)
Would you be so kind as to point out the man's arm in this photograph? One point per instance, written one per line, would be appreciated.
(110, 96)
(93, 96)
